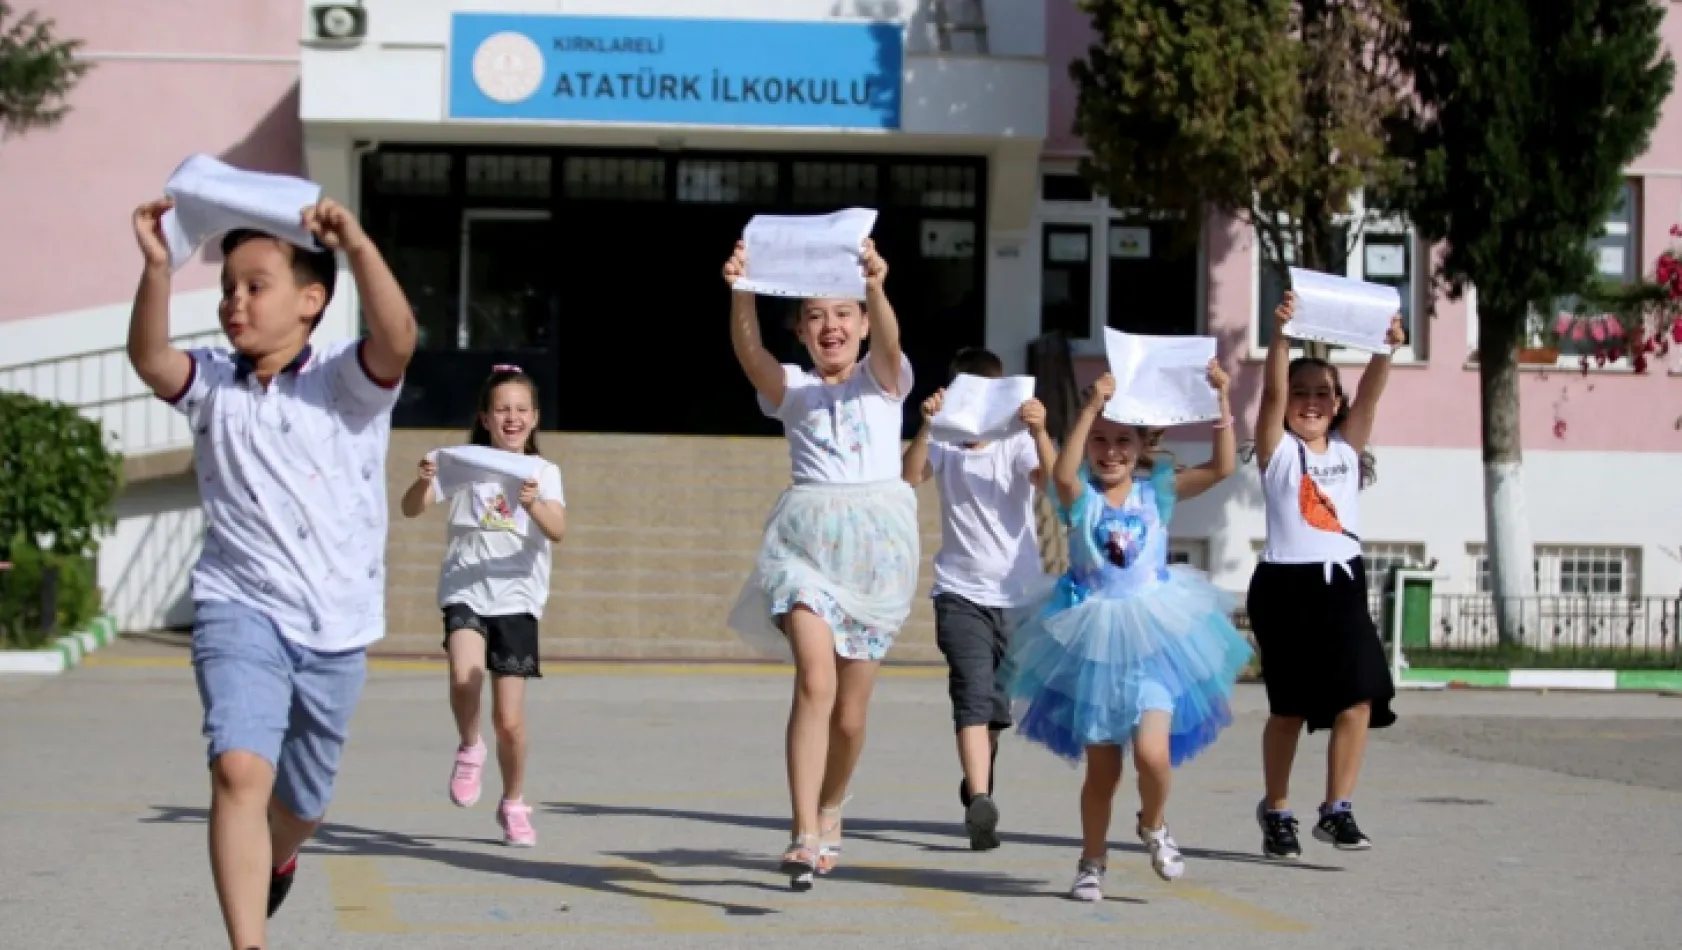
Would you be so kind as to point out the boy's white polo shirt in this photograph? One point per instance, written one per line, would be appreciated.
(292, 479)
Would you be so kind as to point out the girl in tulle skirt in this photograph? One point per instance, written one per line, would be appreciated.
(837, 567)
(1127, 651)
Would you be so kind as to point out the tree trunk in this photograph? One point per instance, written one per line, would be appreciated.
(1506, 523)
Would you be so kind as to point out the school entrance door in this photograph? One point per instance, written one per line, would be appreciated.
(598, 272)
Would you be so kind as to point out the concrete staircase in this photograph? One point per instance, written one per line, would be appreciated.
(661, 533)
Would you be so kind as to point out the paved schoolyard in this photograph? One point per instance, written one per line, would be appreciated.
(1501, 820)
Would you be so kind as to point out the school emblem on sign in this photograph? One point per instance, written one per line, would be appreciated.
(508, 67)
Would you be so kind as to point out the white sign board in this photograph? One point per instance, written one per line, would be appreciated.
(807, 255)
(1130, 243)
(980, 409)
(1341, 311)
(1160, 380)
(213, 198)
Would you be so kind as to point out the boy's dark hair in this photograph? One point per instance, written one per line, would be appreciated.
(308, 267)
(1369, 462)
(501, 374)
(978, 361)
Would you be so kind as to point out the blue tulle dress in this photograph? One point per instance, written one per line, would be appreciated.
(1123, 633)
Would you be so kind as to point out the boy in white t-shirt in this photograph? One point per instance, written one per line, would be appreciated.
(988, 565)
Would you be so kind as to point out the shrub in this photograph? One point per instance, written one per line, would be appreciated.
(58, 478)
(22, 624)
(58, 483)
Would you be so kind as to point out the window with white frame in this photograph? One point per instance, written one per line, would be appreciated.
(1193, 552)
(1100, 266)
(1383, 556)
(1385, 251)
(1617, 260)
(1573, 570)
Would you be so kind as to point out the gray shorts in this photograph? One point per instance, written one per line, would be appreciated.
(266, 695)
(975, 640)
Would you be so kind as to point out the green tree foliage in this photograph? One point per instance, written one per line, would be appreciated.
(1270, 110)
(1527, 116)
(58, 478)
(37, 71)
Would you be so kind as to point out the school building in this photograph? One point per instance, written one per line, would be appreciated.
(556, 184)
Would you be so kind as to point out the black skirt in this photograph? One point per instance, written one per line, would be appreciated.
(1320, 651)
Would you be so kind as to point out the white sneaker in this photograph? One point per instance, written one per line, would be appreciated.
(1089, 881)
(1165, 854)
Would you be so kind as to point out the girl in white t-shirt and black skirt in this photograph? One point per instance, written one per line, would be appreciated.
(1321, 656)
(492, 587)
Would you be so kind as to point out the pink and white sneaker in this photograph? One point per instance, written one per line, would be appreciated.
(464, 777)
(515, 819)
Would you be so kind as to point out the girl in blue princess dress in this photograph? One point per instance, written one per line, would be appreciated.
(1127, 650)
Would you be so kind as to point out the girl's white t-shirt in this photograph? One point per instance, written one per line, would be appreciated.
(847, 432)
(1290, 538)
(989, 552)
(496, 558)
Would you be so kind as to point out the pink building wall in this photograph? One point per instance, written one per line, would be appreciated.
(186, 76)
(1436, 404)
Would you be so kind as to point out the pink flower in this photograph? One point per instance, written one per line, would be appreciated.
(1676, 230)
(1577, 331)
(1559, 428)
(1614, 329)
(1597, 329)
(1562, 325)
(1676, 330)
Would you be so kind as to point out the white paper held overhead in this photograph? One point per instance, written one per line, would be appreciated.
(464, 464)
(981, 409)
(807, 255)
(1341, 311)
(1160, 380)
(213, 198)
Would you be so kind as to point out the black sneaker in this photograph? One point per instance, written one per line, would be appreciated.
(280, 883)
(1339, 829)
(981, 820)
(1279, 834)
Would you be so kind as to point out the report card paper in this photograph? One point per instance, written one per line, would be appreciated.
(807, 255)
(1341, 311)
(213, 198)
(979, 409)
(1160, 380)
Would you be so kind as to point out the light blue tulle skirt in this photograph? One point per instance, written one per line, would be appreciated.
(1086, 671)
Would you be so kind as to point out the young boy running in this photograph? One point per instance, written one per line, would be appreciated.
(289, 446)
(988, 564)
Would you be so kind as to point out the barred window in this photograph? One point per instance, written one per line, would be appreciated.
(727, 182)
(508, 176)
(834, 183)
(616, 179)
(932, 186)
(412, 173)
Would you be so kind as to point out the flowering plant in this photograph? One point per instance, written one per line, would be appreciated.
(1640, 320)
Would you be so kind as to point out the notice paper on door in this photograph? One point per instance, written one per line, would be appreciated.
(980, 409)
(807, 255)
(213, 198)
(1160, 380)
(1341, 311)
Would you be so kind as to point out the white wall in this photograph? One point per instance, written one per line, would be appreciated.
(144, 565)
(1434, 497)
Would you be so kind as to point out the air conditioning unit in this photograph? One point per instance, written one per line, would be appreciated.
(339, 22)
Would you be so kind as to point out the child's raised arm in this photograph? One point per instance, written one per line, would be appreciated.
(1033, 416)
(1276, 384)
(164, 369)
(885, 352)
(421, 493)
(1065, 473)
(391, 322)
(1223, 456)
(1357, 428)
(914, 465)
(762, 369)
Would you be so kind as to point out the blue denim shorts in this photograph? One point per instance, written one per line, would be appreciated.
(266, 695)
